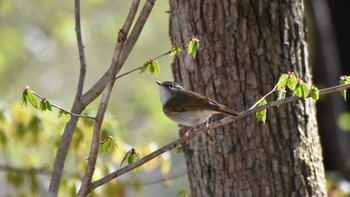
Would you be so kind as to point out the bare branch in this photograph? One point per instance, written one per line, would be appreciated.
(81, 51)
(136, 31)
(131, 16)
(77, 108)
(97, 89)
(212, 126)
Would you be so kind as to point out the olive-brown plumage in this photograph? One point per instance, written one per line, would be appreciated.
(187, 107)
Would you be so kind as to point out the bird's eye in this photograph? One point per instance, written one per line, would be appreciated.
(172, 86)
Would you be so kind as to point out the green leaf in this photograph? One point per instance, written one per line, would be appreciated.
(282, 81)
(126, 156)
(261, 115)
(25, 98)
(155, 67)
(301, 90)
(134, 157)
(190, 47)
(106, 145)
(281, 93)
(305, 90)
(48, 105)
(152, 66)
(292, 81)
(145, 67)
(42, 105)
(298, 91)
(112, 139)
(193, 46)
(343, 93)
(65, 114)
(344, 80)
(175, 51)
(315, 93)
(60, 113)
(32, 99)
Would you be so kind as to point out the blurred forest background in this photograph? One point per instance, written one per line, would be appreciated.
(38, 48)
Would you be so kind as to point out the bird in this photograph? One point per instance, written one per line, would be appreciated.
(188, 108)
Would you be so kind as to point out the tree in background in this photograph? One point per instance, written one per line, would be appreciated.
(245, 45)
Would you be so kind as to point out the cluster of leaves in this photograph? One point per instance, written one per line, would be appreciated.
(108, 143)
(288, 81)
(30, 96)
(36, 139)
(297, 86)
(344, 80)
(153, 66)
(131, 156)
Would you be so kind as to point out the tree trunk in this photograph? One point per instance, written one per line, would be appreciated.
(244, 47)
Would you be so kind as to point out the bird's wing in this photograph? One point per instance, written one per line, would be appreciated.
(191, 101)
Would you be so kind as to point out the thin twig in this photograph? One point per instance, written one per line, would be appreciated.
(272, 91)
(62, 109)
(139, 68)
(198, 132)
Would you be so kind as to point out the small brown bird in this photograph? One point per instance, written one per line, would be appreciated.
(187, 107)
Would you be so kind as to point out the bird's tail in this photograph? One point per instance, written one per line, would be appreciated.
(229, 111)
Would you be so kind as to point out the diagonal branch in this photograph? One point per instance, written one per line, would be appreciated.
(95, 143)
(97, 89)
(107, 87)
(136, 31)
(198, 132)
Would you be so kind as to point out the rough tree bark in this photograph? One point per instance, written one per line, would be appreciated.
(245, 45)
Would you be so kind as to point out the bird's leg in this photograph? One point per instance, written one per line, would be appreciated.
(206, 123)
(186, 134)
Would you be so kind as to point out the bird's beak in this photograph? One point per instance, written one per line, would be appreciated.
(159, 83)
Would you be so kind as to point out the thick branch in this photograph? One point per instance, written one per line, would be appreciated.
(212, 126)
